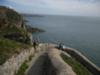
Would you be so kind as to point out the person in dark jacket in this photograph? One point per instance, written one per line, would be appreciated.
(34, 44)
(60, 46)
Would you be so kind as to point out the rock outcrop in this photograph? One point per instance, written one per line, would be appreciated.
(12, 26)
(9, 18)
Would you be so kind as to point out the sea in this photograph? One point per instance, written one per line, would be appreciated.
(78, 32)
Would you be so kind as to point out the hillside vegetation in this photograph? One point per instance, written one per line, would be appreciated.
(10, 47)
(76, 66)
(14, 36)
(12, 26)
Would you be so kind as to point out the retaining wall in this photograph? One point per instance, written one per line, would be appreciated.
(83, 60)
(11, 66)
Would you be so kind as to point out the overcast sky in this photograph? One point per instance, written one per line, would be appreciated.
(61, 7)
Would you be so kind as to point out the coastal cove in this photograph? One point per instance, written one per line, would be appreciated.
(77, 32)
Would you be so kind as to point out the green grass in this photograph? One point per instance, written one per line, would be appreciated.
(18, 34)
(24, 66)
(22, 69)
(9, 48)
(12, 30)
(78, 68)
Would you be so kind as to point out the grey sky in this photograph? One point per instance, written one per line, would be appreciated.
(62, 7)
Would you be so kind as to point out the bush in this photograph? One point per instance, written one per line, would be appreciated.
(22, 69)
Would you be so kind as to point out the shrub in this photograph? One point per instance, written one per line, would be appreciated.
(22, 69)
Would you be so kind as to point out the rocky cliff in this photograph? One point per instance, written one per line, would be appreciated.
(9, 18)
(12, 26)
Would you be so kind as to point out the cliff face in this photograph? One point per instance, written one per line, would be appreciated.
(13, 34)
(9, 18)
(12, 25)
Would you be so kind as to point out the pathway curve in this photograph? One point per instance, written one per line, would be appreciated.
(49, 62)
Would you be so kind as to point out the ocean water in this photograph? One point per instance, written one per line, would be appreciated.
(81, 33)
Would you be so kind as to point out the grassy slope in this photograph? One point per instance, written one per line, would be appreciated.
(12, 30)
(8, 48)
(22, 69)
(76, 66)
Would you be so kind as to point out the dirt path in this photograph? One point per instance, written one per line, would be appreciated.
(42, 66)
(49, 62)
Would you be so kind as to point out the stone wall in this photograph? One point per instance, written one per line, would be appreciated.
(11, 66)
(83, 60)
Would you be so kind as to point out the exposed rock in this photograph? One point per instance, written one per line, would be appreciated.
(12, 26)
(9, 17)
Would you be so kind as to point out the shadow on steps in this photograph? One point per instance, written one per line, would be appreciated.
(42, 66)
